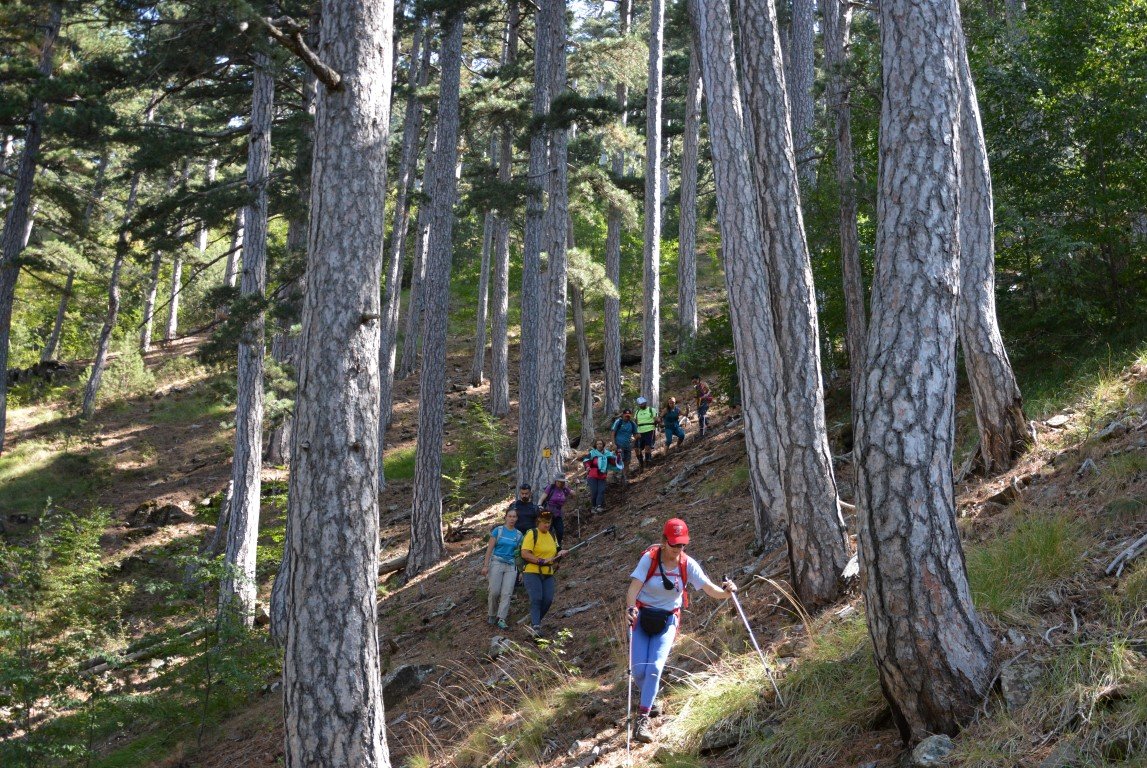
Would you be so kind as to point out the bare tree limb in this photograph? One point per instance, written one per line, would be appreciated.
(289, 33)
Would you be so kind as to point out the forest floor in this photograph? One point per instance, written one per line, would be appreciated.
(1072, 649)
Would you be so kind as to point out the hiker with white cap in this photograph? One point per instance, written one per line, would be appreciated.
(554, 498)
(646, 418)
(653, 606)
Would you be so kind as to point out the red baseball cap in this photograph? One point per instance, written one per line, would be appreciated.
(676, 532)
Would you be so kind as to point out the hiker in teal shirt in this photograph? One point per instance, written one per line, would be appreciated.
(671, 423)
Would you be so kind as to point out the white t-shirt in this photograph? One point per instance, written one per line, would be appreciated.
(654, 593)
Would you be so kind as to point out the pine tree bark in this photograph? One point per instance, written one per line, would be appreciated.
(238, 586)
(651, 271)
(172, 328)
(932, 651)
(612, 318)
(204, 233)
(103, 343)
(49, 352)
(800, 89)
(13, 239)
(553, 341)
(231, 270)
(478, 366)
(837, 31)
(333, 708)
(414, 304)
(499, 341)
(407, 165)
(1003, 427)
(742, 249)
(149, 303)
(818, 550)
(427, 545)
(687, 222)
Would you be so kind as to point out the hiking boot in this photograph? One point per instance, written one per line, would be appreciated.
(491, 619)
(655, 712)
(502, 624)
(642, 731)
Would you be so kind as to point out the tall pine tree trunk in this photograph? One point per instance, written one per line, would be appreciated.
(553, 341)
(837, 31)
(204, 233)
(172, 328)
(479, 364)
(426, 543)
(51, 348)
(651, 271)
(332, 687)
(818, 551)
(585, 440)
(237, 586)
(612, 346)
(103, 343)
(803, 72)
(13, 239)
(231, 270)
(932, 651)
(499, 341)
(687, 226)
(1003, 427)
(742, 249)
(149, 299)
(414, 304)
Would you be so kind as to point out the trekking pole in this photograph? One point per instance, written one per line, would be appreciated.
(581, 544)
(629, 695)
(752, 637)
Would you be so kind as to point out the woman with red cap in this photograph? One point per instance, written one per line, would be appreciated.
(653, 611)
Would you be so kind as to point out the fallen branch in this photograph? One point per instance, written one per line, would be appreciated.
(143, 655)
(1126, 556)
(392, 565)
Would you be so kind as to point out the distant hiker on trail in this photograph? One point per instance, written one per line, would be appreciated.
(526, 509)
(646, 419)
(597, 466)
(653, 612)
(501, 568)
(671, 423)
(624, 433)
(540, 551)
(553, 500)
(703, 396)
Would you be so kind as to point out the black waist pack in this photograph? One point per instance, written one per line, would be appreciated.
(654, 621)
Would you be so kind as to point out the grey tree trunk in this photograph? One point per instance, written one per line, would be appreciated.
(585, 441)
(531, 388)
(231, 270)
(687, 222)
(172, 329)
(12, 241)
(103, 344)
(1016, 12)
(149, 303)
(499, 342)
(932, 651)
(552, 342)
(800, 85)
(204, 233)
(612, 319)
(1003, 427)
(237, 586)
(651, 271)
(742, 250)
(818, 550)
(837, 31)
(414, 304)
(477, 368)
(427, 545)
(50, 349)
(333, 708)
(411, 128)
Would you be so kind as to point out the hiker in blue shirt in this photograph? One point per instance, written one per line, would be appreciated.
(624, 432)
(671, 423)
(501, 568)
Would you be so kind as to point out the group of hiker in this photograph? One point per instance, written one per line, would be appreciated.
(529, 542)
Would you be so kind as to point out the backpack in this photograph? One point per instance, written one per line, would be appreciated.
(653, 552)
(518, 561)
